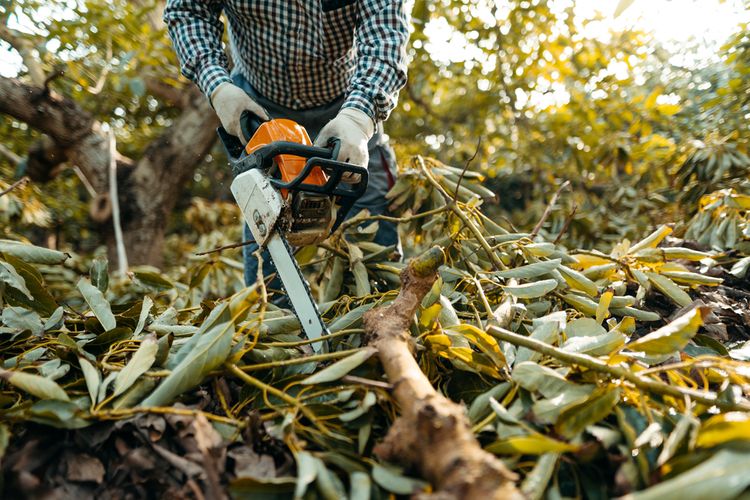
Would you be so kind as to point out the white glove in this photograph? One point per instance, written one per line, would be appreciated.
(229, 101)
(354, 129)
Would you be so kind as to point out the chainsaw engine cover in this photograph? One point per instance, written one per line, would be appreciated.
(307, 217)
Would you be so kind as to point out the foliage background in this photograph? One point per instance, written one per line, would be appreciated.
(631, 137)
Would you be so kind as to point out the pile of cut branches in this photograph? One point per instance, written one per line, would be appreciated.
(528, 368)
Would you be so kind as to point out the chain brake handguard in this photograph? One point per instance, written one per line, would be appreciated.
(263, 158)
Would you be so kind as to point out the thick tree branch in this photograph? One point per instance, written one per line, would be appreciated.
(149, 187)
(432, 434)
(25, 48)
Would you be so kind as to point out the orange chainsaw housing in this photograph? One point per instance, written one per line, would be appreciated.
(289, 166)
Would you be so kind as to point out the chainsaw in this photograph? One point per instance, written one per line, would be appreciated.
(290, 193)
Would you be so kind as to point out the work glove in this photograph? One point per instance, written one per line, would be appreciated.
(229, 101)
(354, 129)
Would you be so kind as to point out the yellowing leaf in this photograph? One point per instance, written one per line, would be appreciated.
(724, 427)
(578, 281)
(585, 261)
(534, 444)
(652, 240)
(482, 341)
(672, 337)
(602, 309)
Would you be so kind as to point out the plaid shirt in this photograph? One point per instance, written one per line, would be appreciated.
(298, 53)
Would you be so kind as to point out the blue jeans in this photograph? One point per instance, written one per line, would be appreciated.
(381, 168)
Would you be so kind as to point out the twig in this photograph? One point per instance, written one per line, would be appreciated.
(122, 257)
(276, 392)
(353, 379)
(453, 206)
(226, 247)
(548, 210)
(568, 220)
(298, 361)
(19, 183)
(397, 220)
(616, 371)
(466, 167)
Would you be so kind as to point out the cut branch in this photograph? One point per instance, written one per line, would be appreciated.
(432, 433)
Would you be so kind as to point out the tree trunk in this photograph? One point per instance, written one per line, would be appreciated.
(148, 189)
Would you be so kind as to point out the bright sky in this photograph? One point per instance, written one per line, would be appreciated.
(674, 23)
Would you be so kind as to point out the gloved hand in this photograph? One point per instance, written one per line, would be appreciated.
(229, 101)
(354, 129)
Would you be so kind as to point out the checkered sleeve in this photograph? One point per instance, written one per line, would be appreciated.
(196, 29)
(381, 38)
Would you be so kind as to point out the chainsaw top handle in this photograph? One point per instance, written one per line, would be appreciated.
(323, 158)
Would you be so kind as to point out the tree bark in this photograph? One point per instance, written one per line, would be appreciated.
(432, 434)
(148, 188)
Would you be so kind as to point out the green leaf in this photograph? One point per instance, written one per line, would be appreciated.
(531, 290)
(98, 304)
(673, 336)
(676, 437)
(55, 319)
(206, 351)
(535, 483)
(361, 280)
(722, 477)
(584, 327)
(99, 274)
(36, 385)
(530, 271)
(152, 279)
(92, 377)
(145, 309)
(306, 472)
(141, 361)
(391, 479)
(31, 253)
(22, 319)
(574, 420)
(41, 300)
(9, 275)
(340, 367)
(670, 289)
(601, 345)
(4, 439)
(361, 485)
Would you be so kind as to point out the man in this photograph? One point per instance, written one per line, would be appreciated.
(333, 66)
